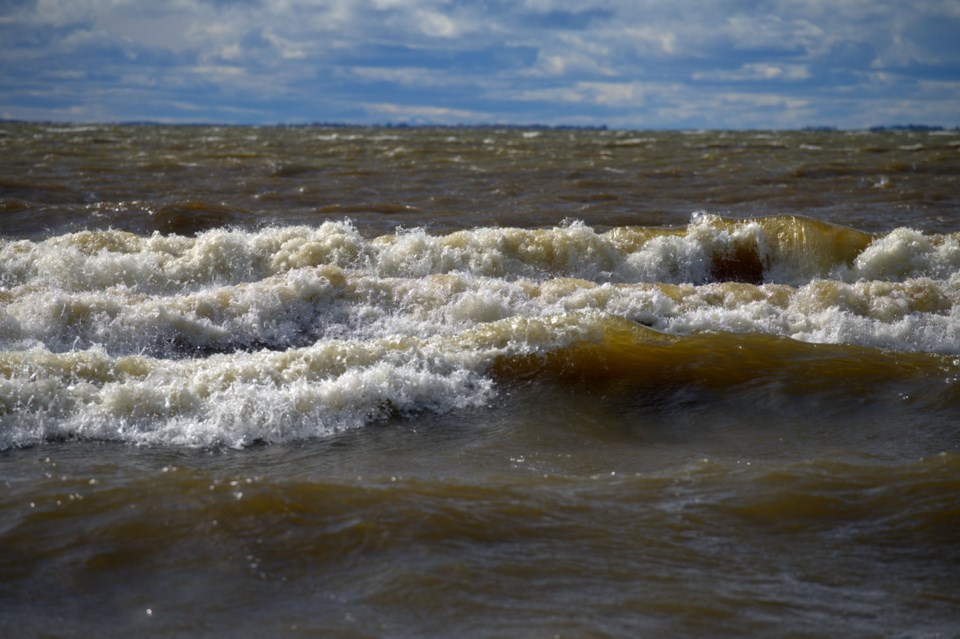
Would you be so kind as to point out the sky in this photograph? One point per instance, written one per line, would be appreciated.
(646, 64)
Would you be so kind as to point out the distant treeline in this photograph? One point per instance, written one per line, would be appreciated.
(889, 127)
(910, 127)
(404, 125)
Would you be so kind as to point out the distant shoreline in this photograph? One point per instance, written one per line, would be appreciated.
(913, 128)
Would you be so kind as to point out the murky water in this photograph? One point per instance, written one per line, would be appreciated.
(478, 382)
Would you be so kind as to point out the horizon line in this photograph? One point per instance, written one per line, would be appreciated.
(914, 127)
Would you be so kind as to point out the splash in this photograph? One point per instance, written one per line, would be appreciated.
(233, 337)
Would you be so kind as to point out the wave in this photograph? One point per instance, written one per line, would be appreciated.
(274, 396)
(228, 290)
(787, 250)
(231, 337)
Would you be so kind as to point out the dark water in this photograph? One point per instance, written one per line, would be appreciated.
(485, 383)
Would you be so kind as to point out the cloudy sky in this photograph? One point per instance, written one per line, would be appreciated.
(621, 63)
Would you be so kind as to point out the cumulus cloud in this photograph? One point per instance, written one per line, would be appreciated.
(626, 62)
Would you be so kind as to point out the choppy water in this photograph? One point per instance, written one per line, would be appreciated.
(488, 383)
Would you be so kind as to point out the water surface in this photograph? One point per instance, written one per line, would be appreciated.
(478, 382)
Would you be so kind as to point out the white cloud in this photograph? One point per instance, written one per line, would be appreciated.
(425, 114)
(571, 61)
(651, 39)
(437, 24)
(758, 71)
(764, 100)
(68, 75)
(403, 76)
(901, 52)
(613, 94)
(230, 52)
(81, 38)
(556, 60)
(765, 31)
(59, 12)
(220, 71)
(288, 49)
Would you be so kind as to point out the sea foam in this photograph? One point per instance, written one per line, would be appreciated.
(237, 336)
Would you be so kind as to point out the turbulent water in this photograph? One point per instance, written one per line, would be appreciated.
(478, 382)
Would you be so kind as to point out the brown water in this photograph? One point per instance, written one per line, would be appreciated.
(485, 383)
(188, 179)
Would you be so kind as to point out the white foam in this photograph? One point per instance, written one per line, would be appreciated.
(286, 333)
(906, 253)
(226, 400)
(301, 306)
(170, 264)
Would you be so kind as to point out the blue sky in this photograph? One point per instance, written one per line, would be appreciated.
(621, 63)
